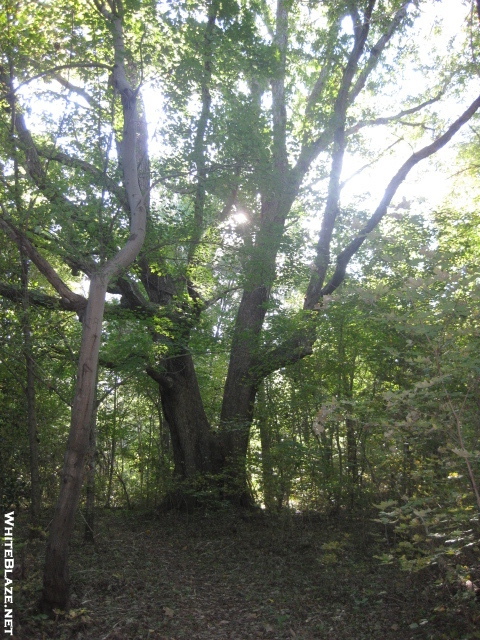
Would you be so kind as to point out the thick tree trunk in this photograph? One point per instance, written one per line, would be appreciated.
(246, 367)
(241, 385)
(243, 377)
(239, 395)
(242, 381)
(195, 449)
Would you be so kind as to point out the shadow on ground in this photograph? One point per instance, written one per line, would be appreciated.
(231, 578)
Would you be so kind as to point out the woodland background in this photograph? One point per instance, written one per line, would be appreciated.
(239, 280)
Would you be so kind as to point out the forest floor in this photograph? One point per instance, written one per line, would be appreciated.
(224, 578)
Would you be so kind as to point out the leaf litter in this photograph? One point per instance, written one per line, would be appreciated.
(176, 577)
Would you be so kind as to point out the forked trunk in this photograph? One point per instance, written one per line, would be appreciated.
(241, 386)
(239, 396)
(56, 585)
(243, 377)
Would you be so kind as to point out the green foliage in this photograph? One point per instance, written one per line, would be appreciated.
(422, 533)
(387, 404)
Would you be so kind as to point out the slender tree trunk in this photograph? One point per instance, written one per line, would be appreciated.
(326, 440)
(141, 458)
(352, 458)
(340, 461)
(111, 468)
(345, 391)
(268, 479)
(56, 576)
(124, 487)
(149, 462)
(113, 447)
(35, 487)
(89, 534)
(407, 469)
(56, 584)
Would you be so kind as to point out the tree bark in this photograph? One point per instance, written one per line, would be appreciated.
(195, 448)
(89, 533)
(242, 380)
(56, 585)
(35, 487)
(113, 446)
(352, 458)
(241, 385)
(56, 575)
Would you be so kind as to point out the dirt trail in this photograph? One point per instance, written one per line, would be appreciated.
(220, 578)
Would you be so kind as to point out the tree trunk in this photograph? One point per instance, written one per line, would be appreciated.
(111, 466)
(268, 480)
(352, 459)
(56, 584)
(239, 395)
(35, 488)
(56, 575)
(241, 386)
(89, 533)
(195, 449)
(242, 381)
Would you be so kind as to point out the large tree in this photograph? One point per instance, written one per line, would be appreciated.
(262, 102)
(281, 93)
